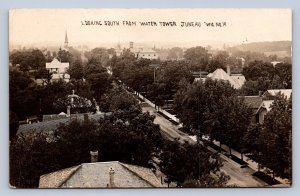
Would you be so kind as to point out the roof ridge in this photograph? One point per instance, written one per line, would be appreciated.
(70, 175)
(124, 165)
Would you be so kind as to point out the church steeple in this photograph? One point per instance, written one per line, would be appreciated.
(66, 40)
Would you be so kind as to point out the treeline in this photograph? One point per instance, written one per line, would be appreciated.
(266, 46)
(261, 76)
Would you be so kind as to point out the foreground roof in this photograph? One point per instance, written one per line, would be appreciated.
(96, 175)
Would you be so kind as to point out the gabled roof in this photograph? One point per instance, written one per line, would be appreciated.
(273, 92)
(253, 102)
(265, 105)
(56, 64)
(96, 175)
(220, 74)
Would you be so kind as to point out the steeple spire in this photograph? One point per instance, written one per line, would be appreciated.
(66, 40)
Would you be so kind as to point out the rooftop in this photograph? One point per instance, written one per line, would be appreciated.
(220, 74)
(253, 102)
(273, 92)
(50, 125)
(96, 175)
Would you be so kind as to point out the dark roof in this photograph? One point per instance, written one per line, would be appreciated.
(253, 101)
(50, 125)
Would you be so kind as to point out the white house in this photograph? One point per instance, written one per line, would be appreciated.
(55, 66)
(58, 70)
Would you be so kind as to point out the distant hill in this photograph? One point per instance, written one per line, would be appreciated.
(266, 47)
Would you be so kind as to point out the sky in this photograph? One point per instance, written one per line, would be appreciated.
(29, 26)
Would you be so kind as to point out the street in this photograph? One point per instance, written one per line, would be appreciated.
(240, 177)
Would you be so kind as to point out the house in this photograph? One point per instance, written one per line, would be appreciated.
(113, 174)
(235, 80)
(268, 97)
(274, 92)
(56, 66)
(145, 53)
(253, 102)
(58, 70)
(263, 109)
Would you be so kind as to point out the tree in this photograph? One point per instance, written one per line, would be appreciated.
(13, 125)
(194, 101)
(76, 70)
(30, 156)
(261, 84)
(98, 56)
(22, 97)
(284, 72)
(197, 57)
(28, 59)
(37, 60)
(128, 136)
(227, 119)
(64, 56)
(175, 53)
(276, 138)
(98, 78)
(186, 163)
(258, 69)
(220, 60)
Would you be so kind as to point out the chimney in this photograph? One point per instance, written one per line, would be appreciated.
(94, 156)
(111, 178)
(131, 45)
(228, 70)
(68, 111)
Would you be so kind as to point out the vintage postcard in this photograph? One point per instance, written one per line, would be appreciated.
(146, 98)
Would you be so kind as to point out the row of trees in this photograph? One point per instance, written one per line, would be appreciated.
(213, 108)
(271, 143)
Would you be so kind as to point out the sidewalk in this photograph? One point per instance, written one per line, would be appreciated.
(252, 164)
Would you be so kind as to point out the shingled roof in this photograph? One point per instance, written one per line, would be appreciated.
(253, 101)
(96, 175)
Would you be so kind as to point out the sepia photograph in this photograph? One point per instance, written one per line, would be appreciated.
(150, 98)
